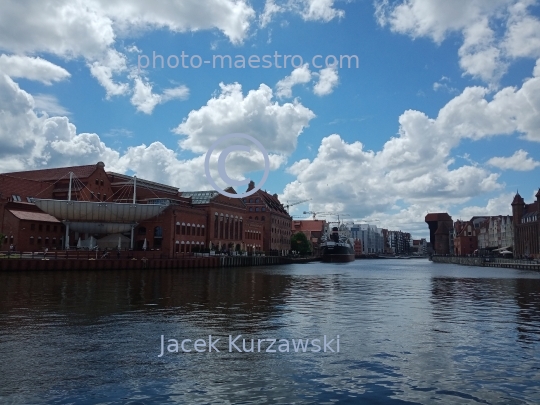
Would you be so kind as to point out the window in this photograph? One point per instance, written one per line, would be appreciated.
(31, 240)
(32, 227)
(257, 200)
(99, 196)
(202, 231)
(177, 230)
(54, 228)
(47, 228)
(39, 240)
(183, 228)
(250, 209)
(188, 229)
(101, 182)
(264, 208)
(40, 227)
(104, 197)
(257, 209)
(198, 231)
(97, 182)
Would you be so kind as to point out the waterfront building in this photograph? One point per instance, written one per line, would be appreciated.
(312, 228)
(400, 242)
(370, 236)
(440, 228)
(420, 247)
(466, 236)
(526, 227)
(496, 232)
(34, 214)
(276, 222)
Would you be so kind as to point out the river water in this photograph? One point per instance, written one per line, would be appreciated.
(410, 332)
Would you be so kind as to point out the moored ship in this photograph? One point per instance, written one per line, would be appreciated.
(337, 246)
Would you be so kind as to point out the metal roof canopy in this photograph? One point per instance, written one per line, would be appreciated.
(88, 211)
(99, 227)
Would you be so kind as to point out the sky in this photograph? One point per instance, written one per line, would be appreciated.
(380, 110)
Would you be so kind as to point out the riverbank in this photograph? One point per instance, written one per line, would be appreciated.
(488, 262)
(43, 264)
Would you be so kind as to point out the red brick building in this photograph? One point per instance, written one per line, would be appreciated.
(526, 227)
(313, 229)
(440, 227)
(186, 222)
(466, 238)
(276, 222)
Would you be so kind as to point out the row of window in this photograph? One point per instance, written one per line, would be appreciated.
(252, 200)
(190, 229)
(47, 227)
(45, 241)
(257, 209)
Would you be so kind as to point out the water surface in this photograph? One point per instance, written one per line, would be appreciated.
(411, 332)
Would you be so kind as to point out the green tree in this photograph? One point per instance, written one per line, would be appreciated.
(300, 243)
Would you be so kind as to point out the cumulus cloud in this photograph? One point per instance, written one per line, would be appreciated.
(483, 54)
(38, 69)
(145, 100)
(30, 140)
(500, 205)
(89, 30)
(301, 75)
(416, 168)
(309, 10)
(256, 114)
(328, 80)
(519, 161)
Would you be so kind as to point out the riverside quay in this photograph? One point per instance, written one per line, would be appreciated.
(89, 208)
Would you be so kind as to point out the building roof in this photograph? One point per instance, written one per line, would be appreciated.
(200, 197)
(10, 185)
(34, 216)
(57, 173)
(118, 179)
(518, 200)
(438, 216)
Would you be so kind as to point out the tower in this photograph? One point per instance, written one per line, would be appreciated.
(518, 206)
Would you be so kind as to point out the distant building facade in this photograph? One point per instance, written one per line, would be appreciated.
(371, 237)
(526, 227)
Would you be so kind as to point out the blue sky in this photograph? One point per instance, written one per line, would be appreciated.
(442, 113)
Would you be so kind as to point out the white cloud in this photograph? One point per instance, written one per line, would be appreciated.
(416, 168)
(16, 66)
(444, 84)
(500, 205)
(519, 161)
(75, 29)
(321, 10)
(276, 126)
(485, 54)
(328, 80)
(47, 103)
(299, 75)
(309, 10)
(145, 100)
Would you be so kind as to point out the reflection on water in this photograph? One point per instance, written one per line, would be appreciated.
(411, 332)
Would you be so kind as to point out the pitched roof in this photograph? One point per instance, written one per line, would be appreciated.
(23, 188)
(34, 216)
(308, 225)
(55, 174)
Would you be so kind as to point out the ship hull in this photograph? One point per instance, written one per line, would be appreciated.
(337, 254)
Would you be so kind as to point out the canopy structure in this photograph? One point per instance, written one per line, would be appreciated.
(99, 227)
(104, 212)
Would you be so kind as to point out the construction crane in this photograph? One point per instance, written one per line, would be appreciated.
(286, 206)
(321, 213)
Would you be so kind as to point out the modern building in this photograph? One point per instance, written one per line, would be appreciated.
(400, 242)
(371, 237)
(526, 227)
